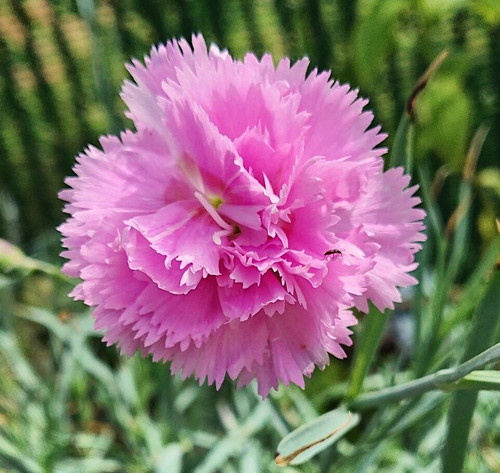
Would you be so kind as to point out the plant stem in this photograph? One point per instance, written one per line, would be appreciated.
(443, 379)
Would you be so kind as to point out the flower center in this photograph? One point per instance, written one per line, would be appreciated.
(211, 208)
(216, 201)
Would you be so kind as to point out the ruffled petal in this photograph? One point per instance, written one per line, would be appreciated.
(234, 230)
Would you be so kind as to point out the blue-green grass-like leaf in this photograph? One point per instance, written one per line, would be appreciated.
(314, 436)
(481, 380)
(169, 459)
(13, 258)
(485, 325)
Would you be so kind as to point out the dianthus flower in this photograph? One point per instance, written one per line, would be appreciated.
(234, 230)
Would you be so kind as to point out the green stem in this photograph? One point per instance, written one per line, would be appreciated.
(443, 379)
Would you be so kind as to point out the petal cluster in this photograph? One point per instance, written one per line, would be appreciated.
(234, 230)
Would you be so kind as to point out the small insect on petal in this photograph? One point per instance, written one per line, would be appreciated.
(334, 254)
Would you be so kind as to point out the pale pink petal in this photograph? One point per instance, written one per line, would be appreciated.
(182, 231)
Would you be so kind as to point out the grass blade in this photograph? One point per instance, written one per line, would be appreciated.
(481, 380)
(460, 415)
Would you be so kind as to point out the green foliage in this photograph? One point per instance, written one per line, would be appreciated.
(69, 404)
(445, 121)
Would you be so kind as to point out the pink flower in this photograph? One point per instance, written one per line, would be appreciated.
(235, 229)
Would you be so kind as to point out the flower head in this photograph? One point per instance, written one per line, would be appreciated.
(235, 228)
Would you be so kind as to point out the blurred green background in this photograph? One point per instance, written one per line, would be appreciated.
(62, 65)
(70, 404)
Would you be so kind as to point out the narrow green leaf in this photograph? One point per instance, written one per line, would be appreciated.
(219, 455)
(249, 461)
(234, 441)
(433, 213)
(100, 60)
(127, 386)
(11, 455)
(99, 370)
(169, 459)
(314, 436)
(481, 380)
(486, 320)
(20, 366)
(370, 334)
(409, 415)
(48, 320)
(13, 258)
(402, 147)
(88, 465)
(5, 282)
(452, 246)
(451, 253)
(370, 55)
(303, 404)
(475, 287)
(459, 223)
